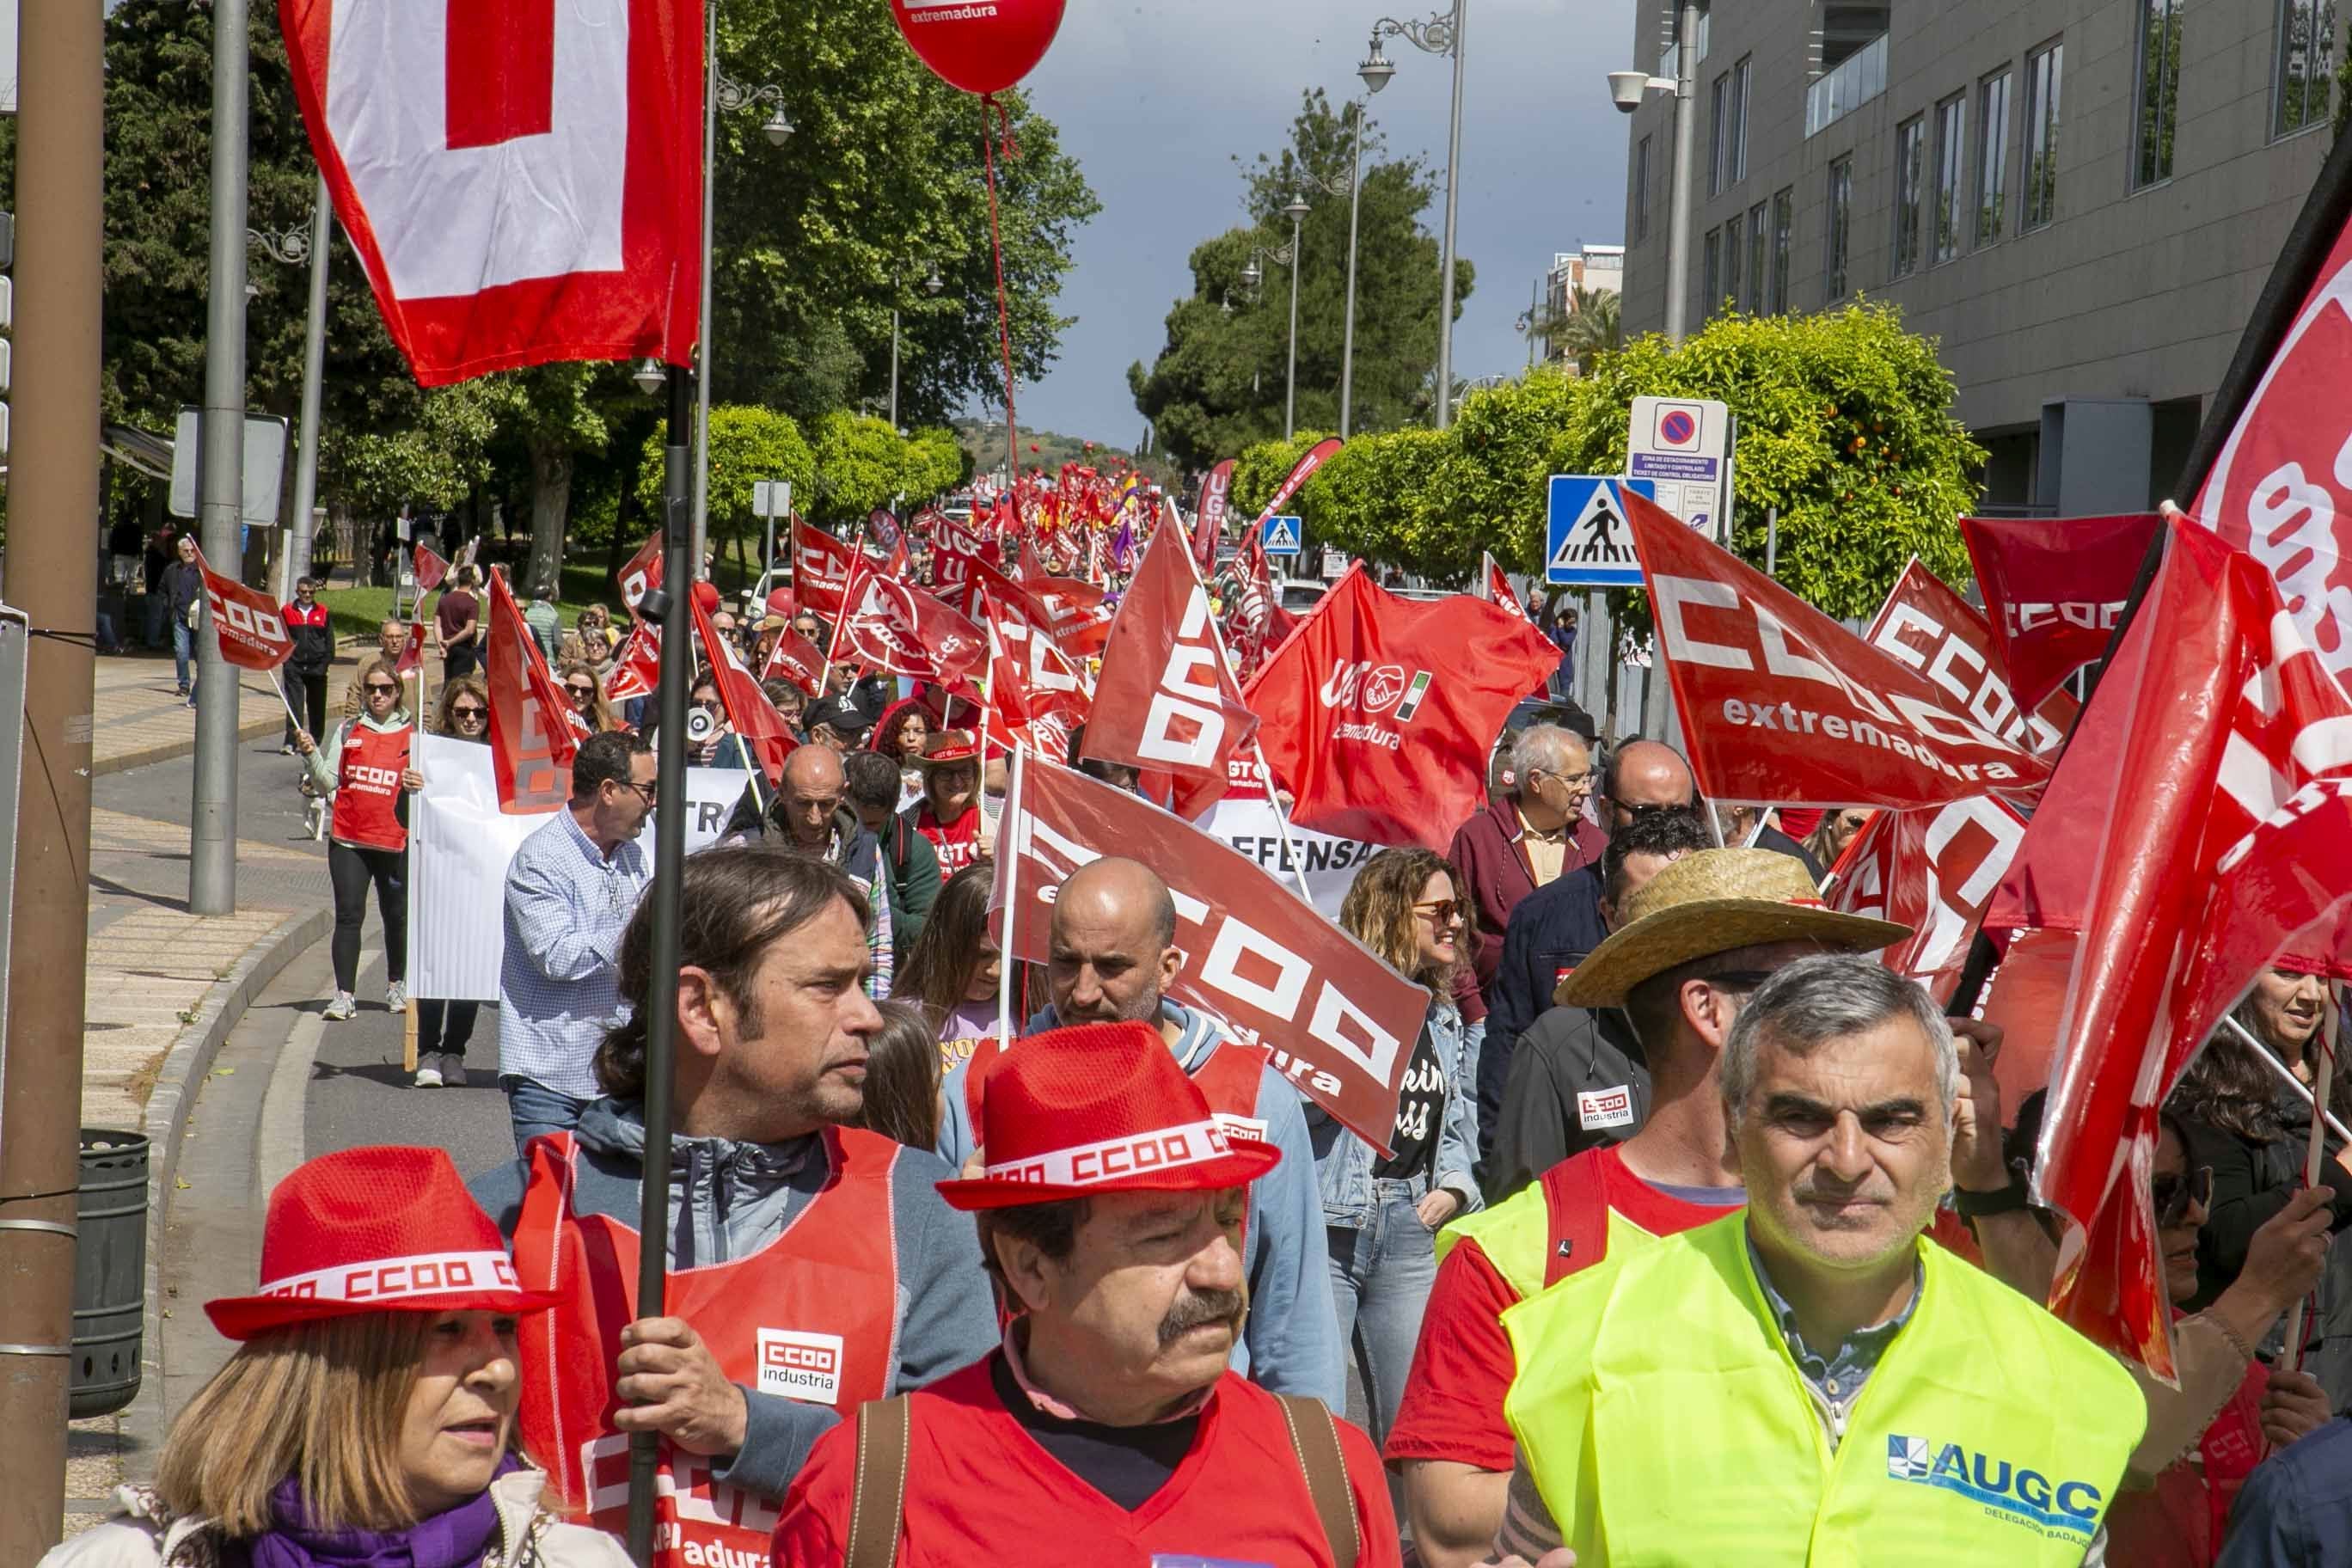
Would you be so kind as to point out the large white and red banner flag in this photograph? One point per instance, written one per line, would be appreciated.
(252, 632)
(1924, 625)
(642, 574)
(1340, 1023)
(755, 719)
(523, 183)
(1378, 712)
(1934, 871)
(1783, 705)
(533, 730)
(2054, 589)
(1166, 701)
(892, 626)
(821, 569)
(1216, 497)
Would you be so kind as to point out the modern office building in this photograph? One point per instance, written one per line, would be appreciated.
(2081, 198)
(1594, 270)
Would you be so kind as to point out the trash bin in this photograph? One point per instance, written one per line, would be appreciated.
(109, 1305)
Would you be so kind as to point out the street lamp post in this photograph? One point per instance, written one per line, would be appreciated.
(293, 247)
(1626, 88)
(1440, 34)
(1252, 274)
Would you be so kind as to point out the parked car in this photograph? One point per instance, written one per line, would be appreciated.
(1302, 594)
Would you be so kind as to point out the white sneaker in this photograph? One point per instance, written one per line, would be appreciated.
(395, 1000)
(428, 1077)
(342, 1007)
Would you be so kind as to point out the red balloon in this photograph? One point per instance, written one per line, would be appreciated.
(980, 46)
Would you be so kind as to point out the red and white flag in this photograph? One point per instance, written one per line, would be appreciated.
(1379, 713)
(1037, 696)
(252, 630)
(430, 570)
(1216, 493)
(1924, 625)
(523, 183)
(753, 717)
(1783, 705)
(1340, 1023)
(897, 628)
(1496, 589)
(795, 658)
(411, 652)
(534, 730)
(636, 665)
(1259, 622)
(1165, 701)
(1933, 870)
(1072, 611)
(1317, 455)
(821, 569)
(642, 574)
(2054, 588)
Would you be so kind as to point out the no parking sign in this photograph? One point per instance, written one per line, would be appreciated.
(1683, 444)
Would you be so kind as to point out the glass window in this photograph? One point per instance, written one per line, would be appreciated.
(1784, 214)
(2160, 90)
(1642, 189)
(1951, 162)
(1840, 228)
(1710, 288)
(1718, 102)
(1992, 157)
(1910, 173)
(1739, 122)
(2307, 65)
(1734, 251)
(1755, 257)
(2043, 69)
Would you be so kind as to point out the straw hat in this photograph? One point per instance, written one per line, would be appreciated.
(948, 746)
(1710, 902)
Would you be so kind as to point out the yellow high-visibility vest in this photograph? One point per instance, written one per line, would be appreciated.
(1663, 1418)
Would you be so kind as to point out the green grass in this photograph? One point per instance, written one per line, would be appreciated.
(358, 612)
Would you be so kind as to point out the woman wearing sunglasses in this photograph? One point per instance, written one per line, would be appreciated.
(586, 690)
(365, 773)
(1381, 1212)
(443, 1028)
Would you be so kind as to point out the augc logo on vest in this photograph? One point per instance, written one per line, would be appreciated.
(2063, 1508)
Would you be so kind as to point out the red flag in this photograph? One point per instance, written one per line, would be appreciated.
(1072, 611)
(821, 568)
(1322, 452)
(411, 652)
(533, 730)
(1933, 870)
(1037, 696)
(1782, 704)
(430, 570)
(252, 631)
(753, 717)
(1925, 626)
(642, 574)
(636, 665)
(1165, 700)
(1378, 712)
(1497, 590)
(796, 660)
(548, 207)
(2053, 589)
(1260, 623)
(1341, 1024)
(895, 626)
(1216, 492)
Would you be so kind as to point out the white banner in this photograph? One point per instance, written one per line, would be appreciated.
(459, 846)
(1244, 818)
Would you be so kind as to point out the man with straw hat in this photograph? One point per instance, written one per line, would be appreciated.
(1694, 942)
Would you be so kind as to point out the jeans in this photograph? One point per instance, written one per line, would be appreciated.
(534, 1109)
(351, 869)
(1381, 1276)
(158, 606)
(183, 648)
(444, 1027)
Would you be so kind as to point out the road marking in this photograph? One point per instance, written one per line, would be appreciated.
(283, 1143)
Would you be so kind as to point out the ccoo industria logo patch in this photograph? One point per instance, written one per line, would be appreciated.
(2061, 1508)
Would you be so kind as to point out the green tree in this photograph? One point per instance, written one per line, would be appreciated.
(435, 463)
(861, 464)
(1217, 386)
(1591, 327)
(747, 445)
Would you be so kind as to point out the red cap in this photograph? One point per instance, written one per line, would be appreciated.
(1101, 1108)
(375, 1230)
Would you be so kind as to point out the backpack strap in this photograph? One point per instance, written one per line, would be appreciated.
(877, 1508)
(1315, 1439)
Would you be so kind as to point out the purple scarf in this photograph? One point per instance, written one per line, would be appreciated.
(457, 1538)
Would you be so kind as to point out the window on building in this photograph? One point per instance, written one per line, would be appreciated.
(1755, 257)
(1840, 229)
(1710, 287)
(1734, 251)
(2160, 90)
(1910, 177)
(1718, 133)
(1739, 78)
(2307, 65)
(1642, 189)
(1784, 215)
(1992, 157)
(2043, 69)
(1951, 164)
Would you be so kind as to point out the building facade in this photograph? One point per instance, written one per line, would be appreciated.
(1595, 269)
(2080, 198)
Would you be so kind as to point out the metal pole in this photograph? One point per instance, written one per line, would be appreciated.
(1771, 541)
(894, 367)
(296, 560)
(53, 576)
(701, 539)
(1445, 262)
(672, 607)
(1291, 389)
(220, 475)
(1679, 219)
(1348, 336)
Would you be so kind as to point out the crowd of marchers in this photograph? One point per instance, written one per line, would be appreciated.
(1700, 1235)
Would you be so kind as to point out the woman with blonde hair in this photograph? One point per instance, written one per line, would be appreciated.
(585, 688)
(366, 772)
(368, 1418)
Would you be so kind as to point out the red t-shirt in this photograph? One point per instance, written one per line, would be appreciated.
(457, 611)
(980, 1490)
(958, 842)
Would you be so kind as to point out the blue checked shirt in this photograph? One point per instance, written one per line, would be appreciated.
(558, 983)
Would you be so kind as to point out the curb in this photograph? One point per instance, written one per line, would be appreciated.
(125, 760)
(184, 1066)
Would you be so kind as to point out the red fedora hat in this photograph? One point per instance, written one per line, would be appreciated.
(375, 1230)
(1101, 1108)
(950, 746)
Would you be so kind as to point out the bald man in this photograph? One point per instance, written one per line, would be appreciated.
(810, 812)
(1113, 957)
(1644, 775)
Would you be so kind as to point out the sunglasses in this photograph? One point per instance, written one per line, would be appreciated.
(582, 691)
(2176, 1194)
(1443, 912)
(380, 688)
(648, 791)
(468, 715)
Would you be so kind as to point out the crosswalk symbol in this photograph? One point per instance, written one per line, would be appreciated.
(1282, 536)
(1588, 542)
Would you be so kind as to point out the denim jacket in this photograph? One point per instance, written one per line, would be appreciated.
(1343, 1162)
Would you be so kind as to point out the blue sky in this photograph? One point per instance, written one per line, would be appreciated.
(1155, 100)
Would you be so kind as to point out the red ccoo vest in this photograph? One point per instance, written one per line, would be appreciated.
(367, 786)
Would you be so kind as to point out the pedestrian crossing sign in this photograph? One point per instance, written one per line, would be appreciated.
(1281, 536)
(1588, 543)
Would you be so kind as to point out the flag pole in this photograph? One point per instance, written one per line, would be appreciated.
(2285, 1075)
(2315, 1154)
(277, 680)
(1008, 844)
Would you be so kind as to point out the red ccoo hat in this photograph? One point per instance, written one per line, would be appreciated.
(945, 746)
(1101, 1108)
(375, 1230)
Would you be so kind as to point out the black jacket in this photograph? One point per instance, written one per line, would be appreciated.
(857, 850)
(1550, 933)
(1570, 1052)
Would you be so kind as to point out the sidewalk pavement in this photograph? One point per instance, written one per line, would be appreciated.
(139, 717)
